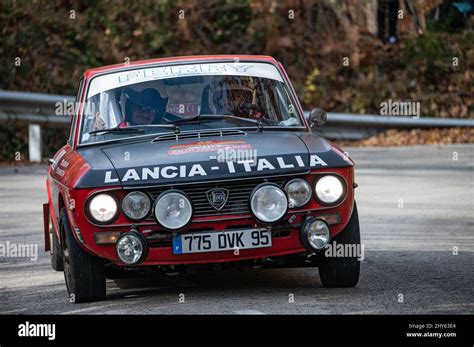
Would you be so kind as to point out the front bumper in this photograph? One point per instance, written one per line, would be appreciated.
(281, 245)
(285, 240)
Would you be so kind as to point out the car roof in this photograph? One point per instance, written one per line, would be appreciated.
(188, 59)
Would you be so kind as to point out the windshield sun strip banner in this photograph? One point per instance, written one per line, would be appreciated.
(115, 80)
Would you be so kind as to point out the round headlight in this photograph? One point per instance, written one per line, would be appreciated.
(268, 203)
(299, 192)
(136, 205)
(329, 189)
(103, 208)
(173, 210)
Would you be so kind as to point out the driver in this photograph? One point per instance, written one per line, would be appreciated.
(230, 96)
(142, 108)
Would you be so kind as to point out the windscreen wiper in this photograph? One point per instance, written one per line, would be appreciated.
(136, 128)
(166, 126)
(210, 118)
(118, 130)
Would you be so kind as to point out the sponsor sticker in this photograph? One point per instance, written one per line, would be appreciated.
(207, 146)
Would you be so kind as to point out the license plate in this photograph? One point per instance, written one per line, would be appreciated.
(222, 241)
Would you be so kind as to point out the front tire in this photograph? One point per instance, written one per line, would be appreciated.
(84, 273)
(343, 271)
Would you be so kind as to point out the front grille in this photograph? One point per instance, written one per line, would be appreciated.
(237, 201)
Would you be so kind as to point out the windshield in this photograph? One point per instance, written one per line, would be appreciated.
(205, 96)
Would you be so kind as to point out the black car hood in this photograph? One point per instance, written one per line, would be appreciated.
(172, 161)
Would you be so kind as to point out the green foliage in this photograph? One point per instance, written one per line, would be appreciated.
(57, 40)
(13, 141)
(429, 52)
(229, 18)
(419, 69)
(53, 139)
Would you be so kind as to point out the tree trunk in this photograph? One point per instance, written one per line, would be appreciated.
(371, 16)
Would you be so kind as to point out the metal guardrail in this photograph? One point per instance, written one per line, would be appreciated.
(357, 127)
(39, 109)
(32, 98)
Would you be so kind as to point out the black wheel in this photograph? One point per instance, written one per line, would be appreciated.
(56, 250)
(343, 271)
(84, 273)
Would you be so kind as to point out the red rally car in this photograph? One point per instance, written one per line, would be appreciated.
(195, 161)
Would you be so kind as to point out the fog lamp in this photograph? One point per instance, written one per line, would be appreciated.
(315, 234)
(131, 248)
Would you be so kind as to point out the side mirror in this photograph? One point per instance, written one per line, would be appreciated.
(317, 118)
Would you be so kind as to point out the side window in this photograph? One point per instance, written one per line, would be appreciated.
(76, 110)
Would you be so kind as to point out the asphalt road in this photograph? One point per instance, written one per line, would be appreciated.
(416, 208)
